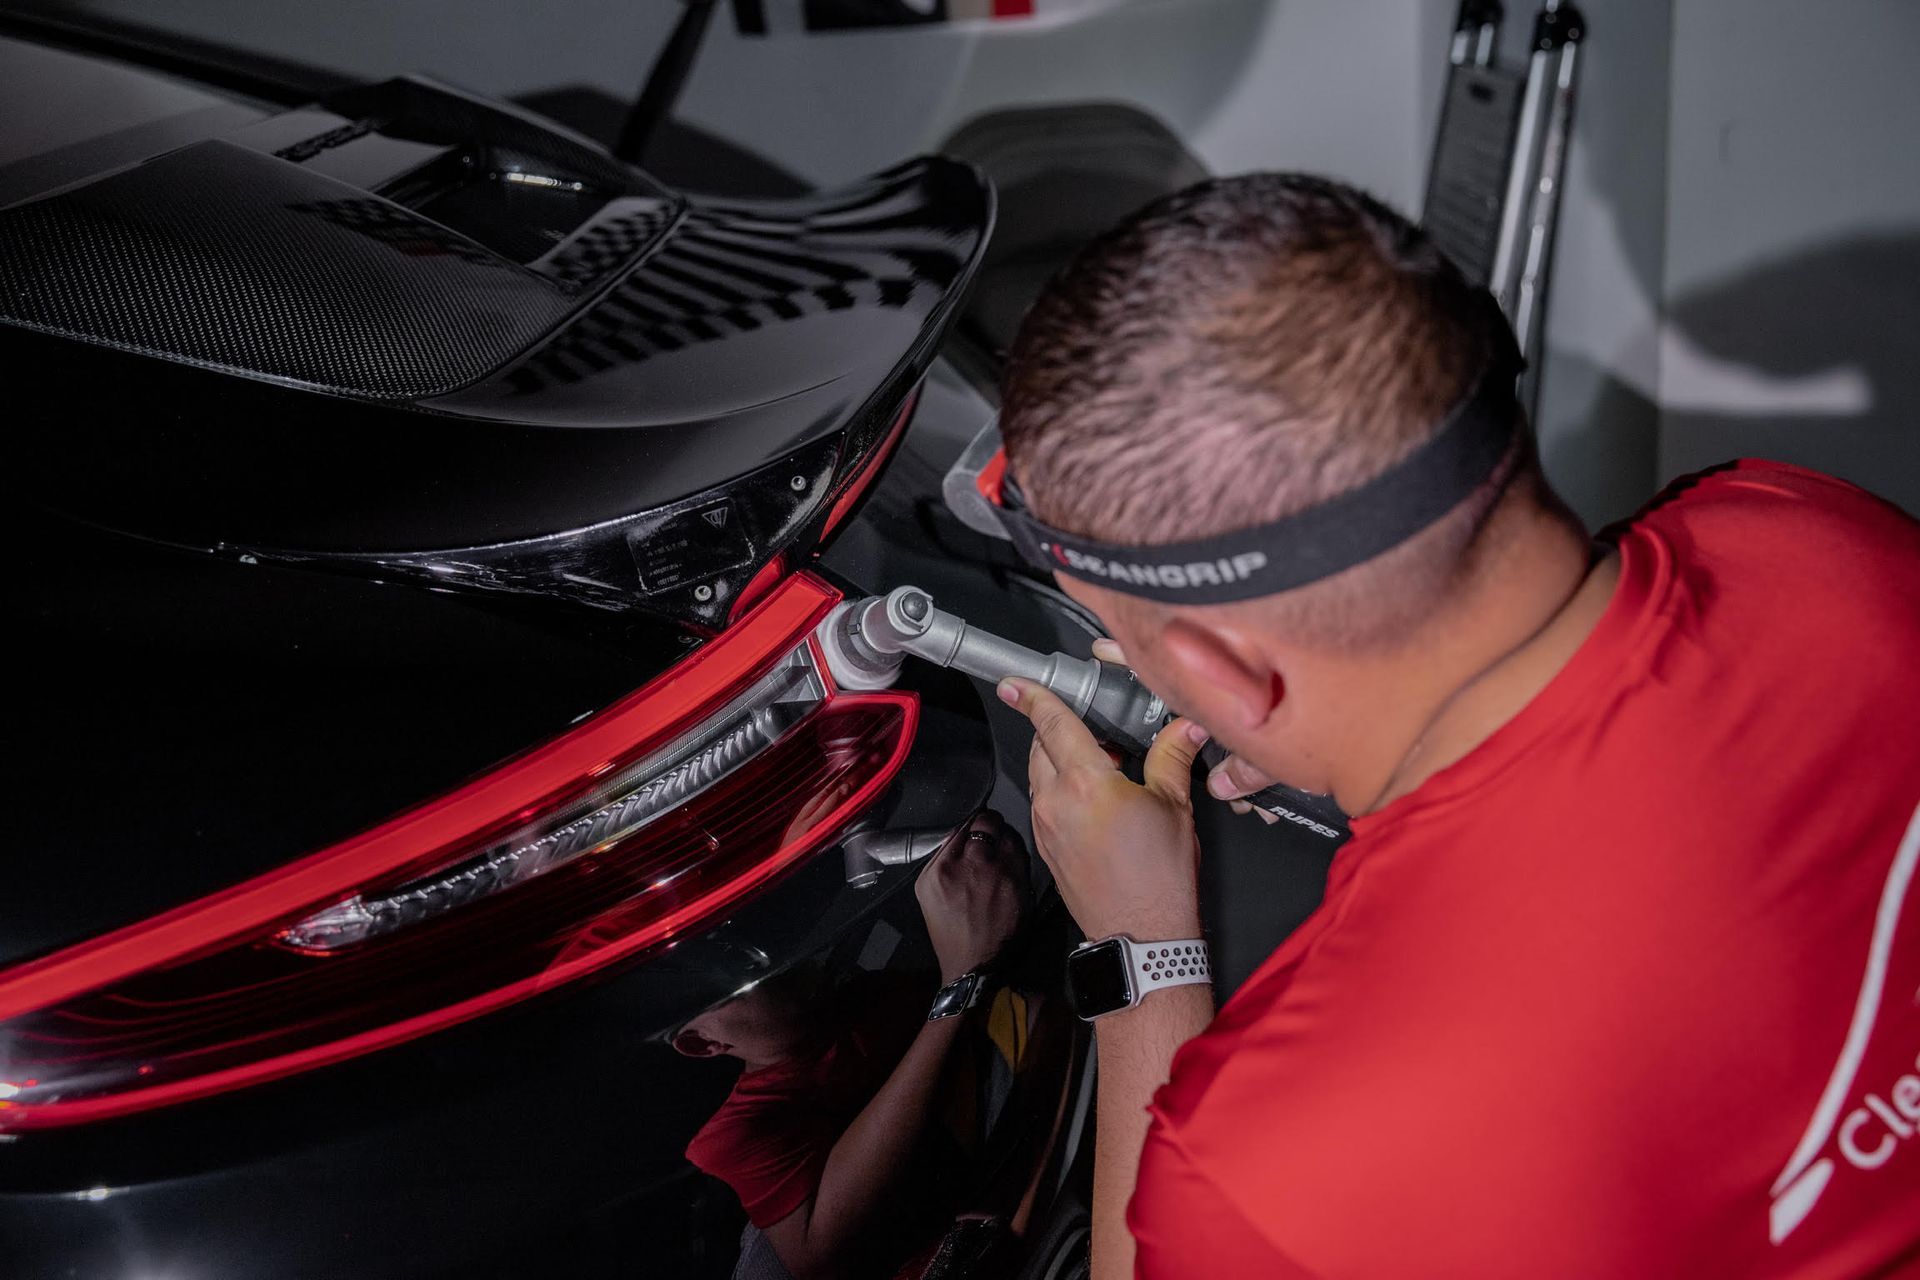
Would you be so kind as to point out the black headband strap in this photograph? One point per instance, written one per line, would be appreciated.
(1324, 539)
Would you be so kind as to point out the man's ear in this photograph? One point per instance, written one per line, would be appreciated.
(1228, 679)
(694, 1045)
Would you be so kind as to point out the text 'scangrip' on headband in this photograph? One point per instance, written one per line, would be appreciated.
(1327, 538)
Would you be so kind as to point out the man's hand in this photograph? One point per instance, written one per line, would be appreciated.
(1124, 855)
(1126, 861)
(1232, 777)
(970, 894)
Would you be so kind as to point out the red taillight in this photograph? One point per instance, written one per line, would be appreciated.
(757, 586)
(646, 821)
(870, 470)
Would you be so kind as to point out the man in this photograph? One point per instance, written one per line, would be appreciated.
(823, 1134)
(1618, 975)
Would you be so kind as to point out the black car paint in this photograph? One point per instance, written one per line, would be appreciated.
(715, 345)
(581, 490)
(568, 1115)
(234, 716)
(199, 704)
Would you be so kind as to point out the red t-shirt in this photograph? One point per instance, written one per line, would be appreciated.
(770, 1139)
(1633, 989)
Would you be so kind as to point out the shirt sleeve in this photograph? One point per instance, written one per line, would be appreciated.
(773, 1165)
(1183, 1227)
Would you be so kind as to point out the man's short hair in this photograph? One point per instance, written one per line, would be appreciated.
(1239, 351)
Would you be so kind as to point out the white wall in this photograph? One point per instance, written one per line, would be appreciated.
(1342, 86)
(1598, 414)
(1792, 281)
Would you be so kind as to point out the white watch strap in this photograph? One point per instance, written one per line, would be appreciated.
(1153, 965)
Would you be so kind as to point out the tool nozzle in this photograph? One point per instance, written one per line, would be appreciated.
(866, 640)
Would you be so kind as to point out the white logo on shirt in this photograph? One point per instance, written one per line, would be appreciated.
(1873, 1130)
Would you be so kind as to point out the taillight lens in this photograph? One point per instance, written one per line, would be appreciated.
(876, 462)
(645, 822)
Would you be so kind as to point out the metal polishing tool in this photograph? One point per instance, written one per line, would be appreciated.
(866, 641)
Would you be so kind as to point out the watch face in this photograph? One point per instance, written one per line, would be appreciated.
(954, 997)
(1097, 979)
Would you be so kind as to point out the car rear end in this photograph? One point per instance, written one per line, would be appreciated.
(419, 517)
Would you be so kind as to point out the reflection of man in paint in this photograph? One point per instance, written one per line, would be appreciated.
(822, 1135)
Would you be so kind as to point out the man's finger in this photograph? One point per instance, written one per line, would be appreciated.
(1011, 847)
(983, 826)
(1234, 777)
(1040, 768)
(1066, 741)
(956, 844)
(1168, 769)
(1109, 651)
(1244, 807)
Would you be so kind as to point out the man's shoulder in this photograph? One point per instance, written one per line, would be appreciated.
(1785, 565)
(1777, 510)
(753, 1135)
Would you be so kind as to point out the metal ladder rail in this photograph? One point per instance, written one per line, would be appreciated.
(1530, 211)
(1476, 33)
(1473, 143)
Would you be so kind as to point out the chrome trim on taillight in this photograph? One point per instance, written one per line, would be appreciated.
(640, 793)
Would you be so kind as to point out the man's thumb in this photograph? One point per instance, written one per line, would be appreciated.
(1168, 768)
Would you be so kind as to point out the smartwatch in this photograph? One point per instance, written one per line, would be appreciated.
(1118, 973)
(958, 996)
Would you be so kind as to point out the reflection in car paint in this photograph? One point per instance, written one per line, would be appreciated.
(822, 1050)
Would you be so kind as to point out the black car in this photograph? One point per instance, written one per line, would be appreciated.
(418, 519)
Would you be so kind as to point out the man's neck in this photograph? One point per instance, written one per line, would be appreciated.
(1538, 627)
